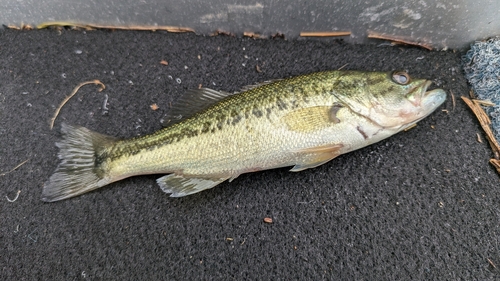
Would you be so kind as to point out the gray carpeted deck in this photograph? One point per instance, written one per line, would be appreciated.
(422, 205)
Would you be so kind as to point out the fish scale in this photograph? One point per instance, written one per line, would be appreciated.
(303, 121)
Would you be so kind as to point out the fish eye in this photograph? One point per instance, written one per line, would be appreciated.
(401, 77)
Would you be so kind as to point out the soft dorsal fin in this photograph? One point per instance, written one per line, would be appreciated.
(191, 102)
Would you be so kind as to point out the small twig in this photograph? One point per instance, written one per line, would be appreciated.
(11, 26)
(485, 102)
(485, 118)
(496, 164)
(471, 94)
(121, 27)
(485, 123)
(15, 198)
(34, 238)
(453, 100)
(325, 34)
(22, 27)
(410, 127)
(253, 35)
(97, 82)
(343, 66)
(492, 263)
(15, 168)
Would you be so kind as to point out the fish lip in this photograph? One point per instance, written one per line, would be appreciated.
(427, 101)
(427, 84)
(423, 89)
(438, 94)
(419, 92)
(430, 100)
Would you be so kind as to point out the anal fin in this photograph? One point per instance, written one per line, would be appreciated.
(316, 156)
(180, 186)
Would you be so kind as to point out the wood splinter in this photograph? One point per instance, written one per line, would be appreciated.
(398, 40)
(324, 34)
(91, 26)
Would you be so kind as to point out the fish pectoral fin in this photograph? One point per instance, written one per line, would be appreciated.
(233, 177)
(316, 156)
(312, 118)
(180, 186)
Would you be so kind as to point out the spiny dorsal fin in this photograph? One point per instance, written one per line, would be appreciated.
(251, 87)
(192, 102)
(196, 100)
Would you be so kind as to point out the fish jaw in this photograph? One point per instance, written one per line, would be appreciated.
(385, 101)
(423, 103)
(398, 108)
(432, 100)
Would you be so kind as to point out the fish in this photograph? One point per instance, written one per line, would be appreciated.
(214, 136)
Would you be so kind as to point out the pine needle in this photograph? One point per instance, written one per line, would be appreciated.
(485, 122)
(15, 168)
(97, 82)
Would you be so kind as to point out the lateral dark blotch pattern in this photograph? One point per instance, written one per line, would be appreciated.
(258, 113)
(236, 120)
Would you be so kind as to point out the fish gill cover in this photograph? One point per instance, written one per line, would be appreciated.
(482, 70)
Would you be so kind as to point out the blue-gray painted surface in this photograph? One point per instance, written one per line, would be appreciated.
(443, 24)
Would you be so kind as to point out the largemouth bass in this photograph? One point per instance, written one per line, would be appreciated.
(303, 121)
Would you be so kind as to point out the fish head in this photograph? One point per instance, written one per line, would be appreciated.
(389, 99)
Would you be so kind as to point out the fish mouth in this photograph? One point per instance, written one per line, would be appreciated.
(433, 98)
(430, 100)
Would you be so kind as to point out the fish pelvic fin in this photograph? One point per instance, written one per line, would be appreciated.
(180, 186)
(78, 172)
(316, 156)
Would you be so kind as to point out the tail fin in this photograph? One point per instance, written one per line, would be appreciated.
(77, 173)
